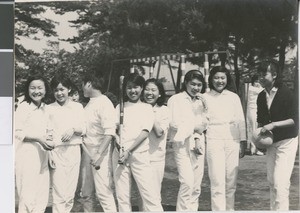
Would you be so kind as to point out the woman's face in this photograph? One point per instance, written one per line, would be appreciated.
(256, 84)
(61, 94)
(75, 97)
(267, 79)
(193, 87)
(151, 93)
(219, 81)
(133, 92)
(37, 91)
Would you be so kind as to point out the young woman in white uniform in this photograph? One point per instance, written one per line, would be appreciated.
(185, 122)
(225, 135)
(31, 157)
(68, 124)
(135, 158)
(154, 94)
(101, 127)
(254, 89)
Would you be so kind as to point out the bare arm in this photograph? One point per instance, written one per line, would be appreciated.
(158, 130)
(47, 145)
(102, 149)
(278, 124)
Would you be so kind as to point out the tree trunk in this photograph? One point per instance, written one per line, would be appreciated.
(178, 83)
(236, 68)
(283, 45)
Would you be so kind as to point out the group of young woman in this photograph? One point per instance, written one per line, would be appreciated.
(197, 124)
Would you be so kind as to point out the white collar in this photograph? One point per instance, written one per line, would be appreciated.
(215, 93)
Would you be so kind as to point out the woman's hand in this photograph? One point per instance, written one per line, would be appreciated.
(243, 146)
(124, 157)
(67, 135)
(46, 144)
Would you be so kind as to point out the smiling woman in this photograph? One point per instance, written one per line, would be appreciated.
(32, 173)
(183, 126)
(68, 124)
(226, 137)
(133, 159)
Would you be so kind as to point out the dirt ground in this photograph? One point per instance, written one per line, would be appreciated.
(252, 189)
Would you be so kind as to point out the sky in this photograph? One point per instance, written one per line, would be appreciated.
(63, 28)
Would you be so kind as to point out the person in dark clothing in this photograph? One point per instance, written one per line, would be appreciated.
(277, 112)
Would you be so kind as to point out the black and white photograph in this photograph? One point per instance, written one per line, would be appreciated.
(156, 105)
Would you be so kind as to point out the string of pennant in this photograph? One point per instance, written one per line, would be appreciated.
(175, 56)
(166, 57)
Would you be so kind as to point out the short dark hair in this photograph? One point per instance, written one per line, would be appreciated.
(270, 65)
(132, 78)
(27, 98)
(161, 100)
(61, 79)
(216, 69)
(194, 74)
(96, 81)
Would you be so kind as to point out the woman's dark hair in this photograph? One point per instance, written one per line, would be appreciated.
(254, 78)
(272, 67)
(96, 81)
(27, 98)
(193, 74)
(161, 100)
(212, 73)
(132, 78)
(61, 79)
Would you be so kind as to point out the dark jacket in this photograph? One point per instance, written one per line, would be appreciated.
(283, 107)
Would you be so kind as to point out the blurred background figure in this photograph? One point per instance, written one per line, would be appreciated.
(74, 93)
(254, 89)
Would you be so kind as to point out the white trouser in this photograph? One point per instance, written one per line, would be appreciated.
(32, 178)
(251, 126)
(223, 161)
(190, 170)
(280, 162)
(158, 169)
(139, 167)
(65, 177)
(99, 181)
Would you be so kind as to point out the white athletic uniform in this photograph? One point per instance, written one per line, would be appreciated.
(251, 113)
(157, 146)
(137, 117)
(190, 167)
(32, 173)
(66, 155)
(100, 118)
(225, 130)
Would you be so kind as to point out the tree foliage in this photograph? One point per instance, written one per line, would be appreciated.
(110, 30)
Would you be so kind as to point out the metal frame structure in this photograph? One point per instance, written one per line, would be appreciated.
(151, 61)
